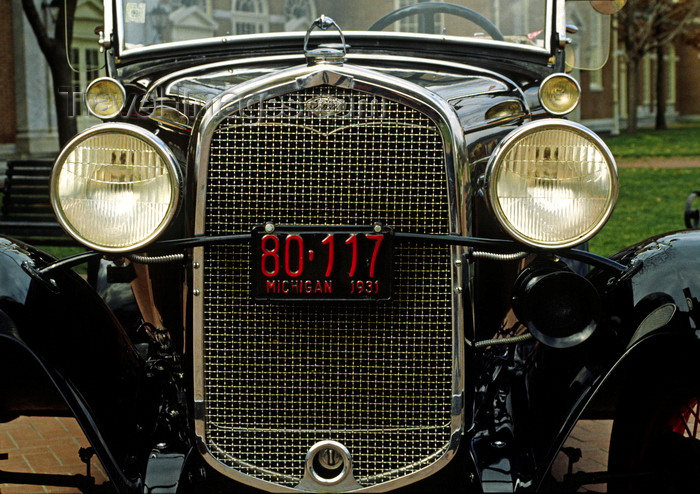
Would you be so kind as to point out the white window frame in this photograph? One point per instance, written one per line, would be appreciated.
(595, 80)
(256, 20)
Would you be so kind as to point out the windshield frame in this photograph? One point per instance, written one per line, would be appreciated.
(114, 10)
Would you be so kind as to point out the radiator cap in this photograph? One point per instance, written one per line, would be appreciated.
(328, 53)
(328, 467)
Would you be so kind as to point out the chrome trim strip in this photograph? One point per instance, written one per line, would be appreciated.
(108, 25)
(551, 13)
(559, 21)
(457, 173)
(177, 76)
(118, 26)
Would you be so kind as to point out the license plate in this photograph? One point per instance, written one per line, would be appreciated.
(290, 263)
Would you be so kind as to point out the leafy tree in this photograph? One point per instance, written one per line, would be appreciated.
(54, 50)
(650, 26)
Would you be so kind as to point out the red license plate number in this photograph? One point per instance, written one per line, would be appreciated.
(331, 264)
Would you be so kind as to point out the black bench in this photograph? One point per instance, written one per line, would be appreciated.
(27, 214)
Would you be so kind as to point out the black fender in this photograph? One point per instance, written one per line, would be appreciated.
(652, 309)
(56, 333)
(650, 326)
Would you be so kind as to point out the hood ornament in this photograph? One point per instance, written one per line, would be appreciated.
(331, 53)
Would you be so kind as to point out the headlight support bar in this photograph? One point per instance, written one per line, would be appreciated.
(498, 246)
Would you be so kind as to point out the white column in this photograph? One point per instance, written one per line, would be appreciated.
(36, 117)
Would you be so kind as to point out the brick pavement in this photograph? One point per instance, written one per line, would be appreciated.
(45, 445)
(592, 437)
(50, 445)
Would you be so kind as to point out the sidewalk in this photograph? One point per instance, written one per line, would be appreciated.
(680, 162)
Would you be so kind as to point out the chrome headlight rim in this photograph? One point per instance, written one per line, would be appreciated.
(507, 144)
(163, 151)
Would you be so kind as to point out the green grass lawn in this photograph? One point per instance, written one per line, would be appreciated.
(651, 201)
(680, 140)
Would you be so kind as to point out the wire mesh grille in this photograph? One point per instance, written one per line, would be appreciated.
(375, 377)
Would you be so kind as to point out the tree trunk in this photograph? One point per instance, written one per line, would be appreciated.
(660, 88)
(632, 76)
(65, 96)
(54, 50)
(633, 60)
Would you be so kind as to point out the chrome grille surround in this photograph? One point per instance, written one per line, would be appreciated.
(384, 380)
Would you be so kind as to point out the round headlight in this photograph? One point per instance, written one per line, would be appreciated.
(552, 184)
(560, 94)
(115, 187)
(105, 97)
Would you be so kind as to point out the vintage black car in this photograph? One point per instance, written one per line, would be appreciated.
(340, 246)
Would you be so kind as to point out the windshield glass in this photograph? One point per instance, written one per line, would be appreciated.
(590, 39)
(144, 23)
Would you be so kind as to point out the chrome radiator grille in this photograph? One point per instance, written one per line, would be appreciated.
(377, 378)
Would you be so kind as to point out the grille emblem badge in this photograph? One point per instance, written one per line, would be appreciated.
(325, 106)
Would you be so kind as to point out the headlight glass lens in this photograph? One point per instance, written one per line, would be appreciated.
(552, 184)
(559, 94)
(115, 190)
(105, 98)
